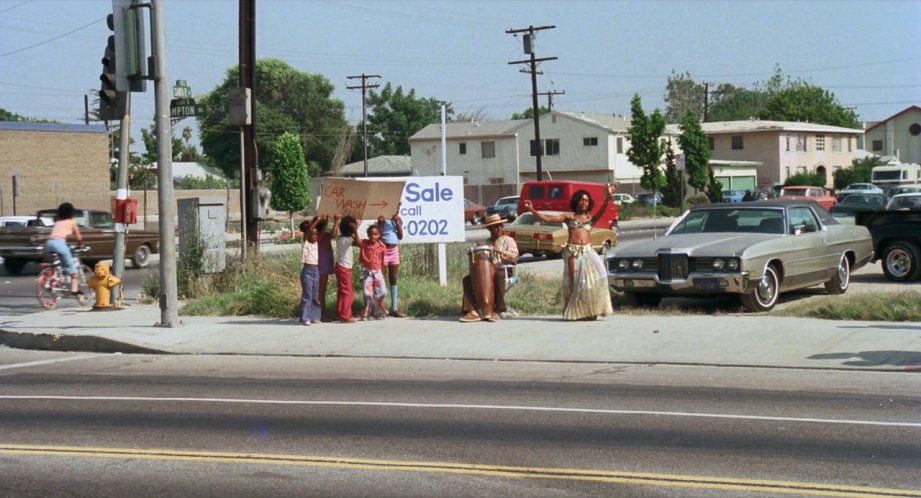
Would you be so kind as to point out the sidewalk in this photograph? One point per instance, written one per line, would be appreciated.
(727, 340)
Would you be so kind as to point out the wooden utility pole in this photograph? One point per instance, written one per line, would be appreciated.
(247, 62)
(536, 146)
(364, 111)
(550, 95)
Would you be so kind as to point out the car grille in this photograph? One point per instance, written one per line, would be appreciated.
(673, 266)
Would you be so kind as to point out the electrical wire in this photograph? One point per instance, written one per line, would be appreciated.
(23, 49)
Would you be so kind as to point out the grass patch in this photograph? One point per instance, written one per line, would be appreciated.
(903, 306)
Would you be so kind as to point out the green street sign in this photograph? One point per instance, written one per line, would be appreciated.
(182, 108)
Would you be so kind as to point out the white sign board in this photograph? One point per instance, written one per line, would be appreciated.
(679, 162)
(432, 208)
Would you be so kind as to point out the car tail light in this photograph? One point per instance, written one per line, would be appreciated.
(548, 236)
(535, 236)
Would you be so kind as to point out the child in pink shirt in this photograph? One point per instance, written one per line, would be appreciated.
(371, 254)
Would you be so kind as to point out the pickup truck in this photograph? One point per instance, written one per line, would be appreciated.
(896, 242)
(21, 245)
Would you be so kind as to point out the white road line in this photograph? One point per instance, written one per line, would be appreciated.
(476, 407)
(45, 362)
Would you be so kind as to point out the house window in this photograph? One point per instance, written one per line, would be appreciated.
(590, 141)
(801, 143)
(535, 148)
(489, 149)
(552, 146)
(462, 148)
(849, 144)
(737, 142)
(914, 129)
(836, 144)
(877, 146)
(712, 142)
(620, 145)
(496, 180)
(819, 141)
(787, 139)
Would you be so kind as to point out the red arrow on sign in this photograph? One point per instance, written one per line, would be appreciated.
(382, 204)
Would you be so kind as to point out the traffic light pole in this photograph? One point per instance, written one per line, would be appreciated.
(121, 194)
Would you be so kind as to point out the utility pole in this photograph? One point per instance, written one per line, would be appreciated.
(707, 94)
(364, 111)
(536, 147)
(247, 63)
(550, 95)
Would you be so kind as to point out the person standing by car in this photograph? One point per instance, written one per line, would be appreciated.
(391, 235)
(64, 227)
(585, 283)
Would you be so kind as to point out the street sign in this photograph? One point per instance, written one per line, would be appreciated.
(679, 162)
(182, 108)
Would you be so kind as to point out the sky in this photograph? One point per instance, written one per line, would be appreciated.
(866, 52)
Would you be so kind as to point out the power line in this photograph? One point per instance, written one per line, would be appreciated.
(51, 39)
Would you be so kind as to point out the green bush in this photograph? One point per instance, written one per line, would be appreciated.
(697, 200)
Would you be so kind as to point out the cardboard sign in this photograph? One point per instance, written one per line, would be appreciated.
(361, 199)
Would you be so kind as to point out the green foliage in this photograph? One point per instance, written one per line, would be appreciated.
(805, 179)
(714, 188)
(696, 147)
(529, 113)
(149, 137)
(286, 100)
(683, 95)
(209, 182)
(737, 104)
(674, 184)
(803, 102)
(903, 306)
(394, 117)
(12, 116)
(860, 172)
(639, 210)
(645, 148)
(289, 181)
(697, 200)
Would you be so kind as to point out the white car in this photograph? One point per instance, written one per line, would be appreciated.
(905, 201)
(15, 221)
(861, 188)
(621, 199)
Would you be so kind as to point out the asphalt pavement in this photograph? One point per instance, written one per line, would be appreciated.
(730, 340)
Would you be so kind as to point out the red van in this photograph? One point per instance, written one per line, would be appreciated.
(555, 196)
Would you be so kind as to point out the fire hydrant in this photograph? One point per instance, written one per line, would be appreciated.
(102, 282)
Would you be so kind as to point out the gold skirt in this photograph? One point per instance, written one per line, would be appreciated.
(588, 295)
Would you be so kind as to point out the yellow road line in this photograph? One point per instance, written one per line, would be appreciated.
(635, 478)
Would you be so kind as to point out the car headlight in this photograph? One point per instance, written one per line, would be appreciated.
(637, 264)
(623, 264)
(718, 264)
(732, 264)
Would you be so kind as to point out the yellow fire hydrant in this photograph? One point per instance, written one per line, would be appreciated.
(102, 282)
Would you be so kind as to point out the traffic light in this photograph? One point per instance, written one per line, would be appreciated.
(131, 47)
(111, 101)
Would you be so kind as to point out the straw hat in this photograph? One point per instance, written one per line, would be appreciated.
(493, 219)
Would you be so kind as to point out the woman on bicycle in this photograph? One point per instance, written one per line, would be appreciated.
(64, 226)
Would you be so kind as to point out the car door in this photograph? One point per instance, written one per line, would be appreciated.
(808, 262)
(98, 230)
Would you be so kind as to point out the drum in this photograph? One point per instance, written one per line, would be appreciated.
(482, 272)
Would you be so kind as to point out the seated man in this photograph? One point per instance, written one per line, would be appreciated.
(504, 251)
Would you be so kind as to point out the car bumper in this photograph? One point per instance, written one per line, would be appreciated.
(697, 283)
(26, 252)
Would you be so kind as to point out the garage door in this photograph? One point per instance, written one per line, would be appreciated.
(743, 182)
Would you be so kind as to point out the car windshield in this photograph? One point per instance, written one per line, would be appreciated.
(871, 200)
(507, 201)
(905, 202)
(750, 220)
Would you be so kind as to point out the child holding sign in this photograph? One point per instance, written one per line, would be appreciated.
(371, 254)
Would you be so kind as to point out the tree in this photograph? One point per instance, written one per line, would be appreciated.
(288, 178)
(807, 179)
(529, 113)
(859, 172)
(287, 100)
(683, 94)
(645, 148)
(674, 184)
(696, 147)
(803, 102)
(714, 187)
(149, 137)
(396, 116)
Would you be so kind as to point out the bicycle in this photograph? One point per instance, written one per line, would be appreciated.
(52, 283)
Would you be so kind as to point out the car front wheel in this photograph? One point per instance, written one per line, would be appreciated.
(764, 296)
(838, 284)
(141, 256)
(901, 262)
(476, 220)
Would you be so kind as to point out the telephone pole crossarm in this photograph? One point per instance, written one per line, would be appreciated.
(364, 110)
(528, 61)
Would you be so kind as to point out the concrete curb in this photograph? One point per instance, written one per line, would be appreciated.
(73, 343)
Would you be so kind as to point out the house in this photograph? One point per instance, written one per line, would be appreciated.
(783, 148)
(898, 135)
(51, 163)
(377, 166)
(190, 169)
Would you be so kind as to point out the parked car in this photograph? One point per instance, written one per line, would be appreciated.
(621, 199)
(817, 194)
(896, 242)
(19, 246)
(860, 188)
(756, 250)
(538, 238)
(649, 197)
(473, 213)
(16, 221)
(764, 193)
(506, 207)
(554, 195)
(905, 189)
(853, 203)
(733, 195)
(904, 201)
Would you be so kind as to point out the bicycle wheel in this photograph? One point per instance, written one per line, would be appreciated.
(47, 285)
(88, 294)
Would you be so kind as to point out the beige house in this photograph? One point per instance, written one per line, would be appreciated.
(898, 135)
(784, 148)
(53, 163)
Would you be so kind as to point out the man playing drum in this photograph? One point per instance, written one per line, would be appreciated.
(501, 250)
